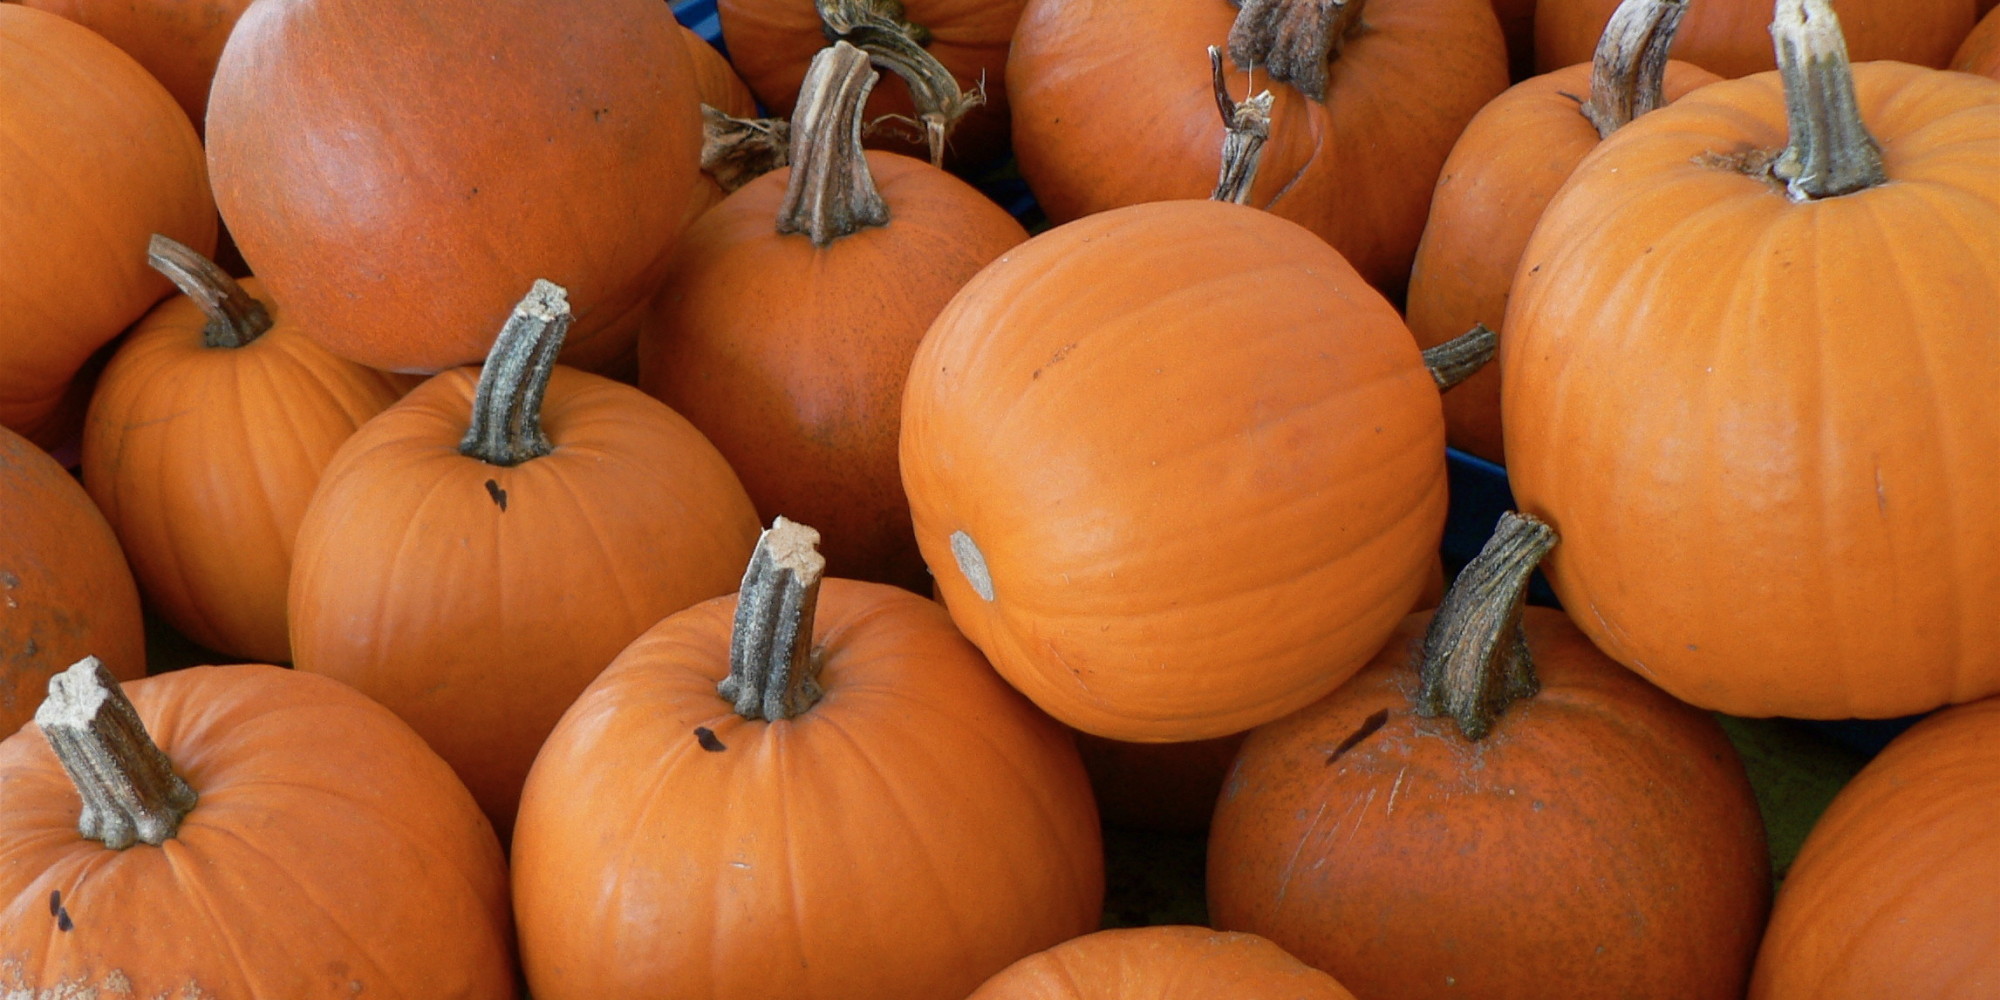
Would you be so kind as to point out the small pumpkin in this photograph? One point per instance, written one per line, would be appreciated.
(177, 41)
(1162, 963)
(1731, 38)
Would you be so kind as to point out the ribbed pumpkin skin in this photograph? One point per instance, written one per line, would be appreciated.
(1602, 836)
(1892, 893)
(1162, 963)
(1981, 51)
(792, 358)
(331, 855)
(65, 591)
(177, 41)
(397, 173)
(1733, 37)
(203, 458)
(1764, 430)
(1202, 458)
(480, 625)
(911, 834)
(1493, 189)
(97, 158)
(1113, 106)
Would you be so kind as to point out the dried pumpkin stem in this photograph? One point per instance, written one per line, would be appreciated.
(129, 789)
(1461, 357)
(736, 151)
(1831, 152)
(1294, 40)
(893, 43)
(830, 193)
(234, 318)
(1628, 77)
(1475, 658)
(772, 672)
(1248, 125)
(506, 425)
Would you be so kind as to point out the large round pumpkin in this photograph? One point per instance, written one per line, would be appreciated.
(1162, 963)
(1732, 37)
(178, 41)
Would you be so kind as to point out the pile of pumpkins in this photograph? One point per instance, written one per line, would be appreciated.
(582, 436)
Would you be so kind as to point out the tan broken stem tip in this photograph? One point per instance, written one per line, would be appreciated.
(1475, 656)
(1461, 357)
(129, 789)
(773, 674)
(506, 427)
(1247, 127)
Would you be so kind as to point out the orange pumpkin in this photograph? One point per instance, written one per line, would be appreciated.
(811, 789)
(1980, 53)
(244, 831)
(95, 157)
(1708, 376)
(476, 553)
(1732, 37)
(178, 41)
(1162, 963)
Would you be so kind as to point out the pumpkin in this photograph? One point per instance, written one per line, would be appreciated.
(65, 591)
(204, 440)
(1731, 37)
(95, 157)
(1980, 52)
(476, 553)
(1711, 356)
(397, 174)
(243, 831)
(788, 343)
(1110, 108)
(177, 41)
(815, 788)
(1891, 894)
(1496, 183)
(1492, 806)
(1162, 963)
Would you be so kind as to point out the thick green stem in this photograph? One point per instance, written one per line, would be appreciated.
(1247, 126)
(1461, 357)
(1475, 658)
(831, 194)
(1628, 77)
(234, 318)
(736, 151)
(506, 425)
(129, 789)
(1831, 152)
(1294, 40)
(878, 27)
(772, 672)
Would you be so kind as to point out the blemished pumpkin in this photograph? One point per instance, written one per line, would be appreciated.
(240, 831)
(177, 41)
(1491, 807)
(1980, 53)
(786, 327)
(1747, 374)
(95, 157)
(813, 789)
(397, 173)
(1891, 894)
(1732, 38)
(477, 552)
(1162, 963)
(204, 440)
(1498, 179)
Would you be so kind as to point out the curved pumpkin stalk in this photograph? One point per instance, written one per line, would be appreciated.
(1628, 75)
(1475, 659)
(234, 317)
(1248, 125)
(878, 28)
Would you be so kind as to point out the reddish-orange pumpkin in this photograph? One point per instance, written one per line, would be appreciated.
(178, 41)
(397, 173)
(1892, 893)
(1733, 38)
(1981, 51)
(95, 158)
(1162, 963)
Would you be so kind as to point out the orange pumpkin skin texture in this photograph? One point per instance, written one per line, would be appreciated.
(1892, 893)
(1765, 429)
(1162, 963)
(1732, 38)
(1112, 106)
(203, 460)
(1598, 814)
(398, 173)
(1493, 189)
(331, 854)
(479, 625)
(177, 41)
(65, 591)
(1109, 414)
(1981, 52)
(97, 158)
(909, 835)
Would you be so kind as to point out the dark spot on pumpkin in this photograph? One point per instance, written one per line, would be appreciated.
(706, 737)
(598, 115)
(9, 580)
(499, 495)
(29, 648)
(63, 922)
(1368, 728)
(55, 902)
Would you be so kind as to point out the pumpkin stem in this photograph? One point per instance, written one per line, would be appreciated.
(506, 425)
(1475, 658)
(1461, 357)
(1831, 152)
(234, 318)
(1294, 40)
(129, 789)
(772, 672)
(736, 151)
(1628, 77)
(1248, 125)
(878, 28)
(830, 193)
